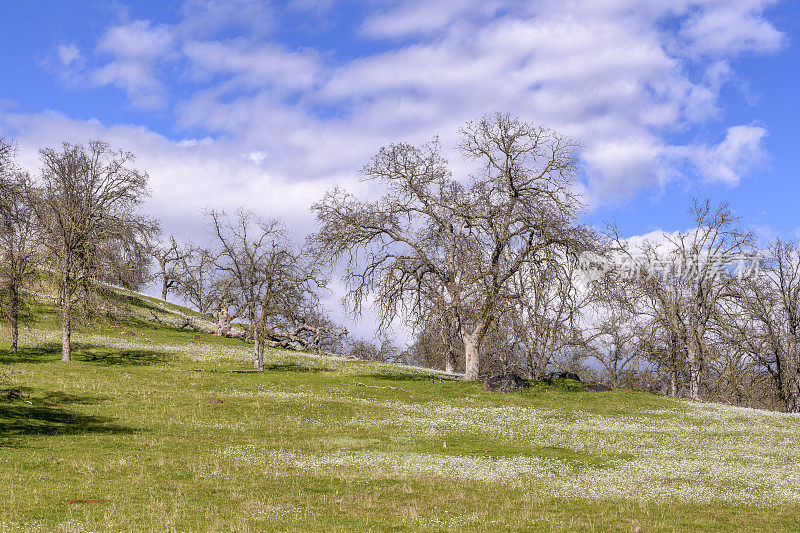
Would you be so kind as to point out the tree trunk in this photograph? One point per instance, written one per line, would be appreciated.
(673, 381)
(673, 362)
(791, 392)
(66, 330)
(14, 306)
(450, 362)
(223, 322)
(164, 287)
(537, 364)
(473, 364)
(793, 399)
(14, 333)
(258, 351)
(694, 373)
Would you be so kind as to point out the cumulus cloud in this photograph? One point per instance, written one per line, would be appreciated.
(136, 50)
(69, 55)
(722, 27)
(186, 176)
(420, 17)
(68, 63)
(736, 155)
(261, 66)
(621, 76)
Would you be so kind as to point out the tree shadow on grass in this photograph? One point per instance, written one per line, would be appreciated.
(125, 357)
(47, 416)
(89, 353)
(36, 354)
(295, 367)
(61, 397)
(409, 376)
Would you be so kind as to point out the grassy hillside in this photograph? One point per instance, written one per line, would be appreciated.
(131, 436)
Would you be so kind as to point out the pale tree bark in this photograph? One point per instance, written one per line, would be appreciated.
(14, 333)
(450, 362)
(258, 350)
(66, 330)
(693, 361)
(165, 286)
(472, 365)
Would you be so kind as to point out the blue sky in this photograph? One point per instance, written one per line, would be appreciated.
(267, 105)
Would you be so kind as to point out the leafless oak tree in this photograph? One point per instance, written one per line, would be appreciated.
(196, 278)
(764, 320)
(90, 224)
(466, 242)
(619, 344)
(685, 295)
(275, 289)
(19, 254)
(169, 255)
(546, 315)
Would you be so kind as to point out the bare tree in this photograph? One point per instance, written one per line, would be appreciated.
(196, 278)
(384, 350)
(618, 345)
(90, 224)
(437, 341)
(6, 153)
(683, 281)
(275, 289)
(19, 254)
(704, 252)
(546, 316)
(170, 256)
(764, 320)
(430, 232)
(656, 300)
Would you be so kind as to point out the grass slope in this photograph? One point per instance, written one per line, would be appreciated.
(124, 438)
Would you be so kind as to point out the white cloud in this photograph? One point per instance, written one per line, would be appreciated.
(207, 18)
(723, 27)
(735, 156)
(185, 176)
(262, 66)
(68, 63)
(421, 17)
(613, 75)
(617, 161)
(136, 49)
(69, 55)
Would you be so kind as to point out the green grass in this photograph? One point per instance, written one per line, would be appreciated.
(124, 438)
